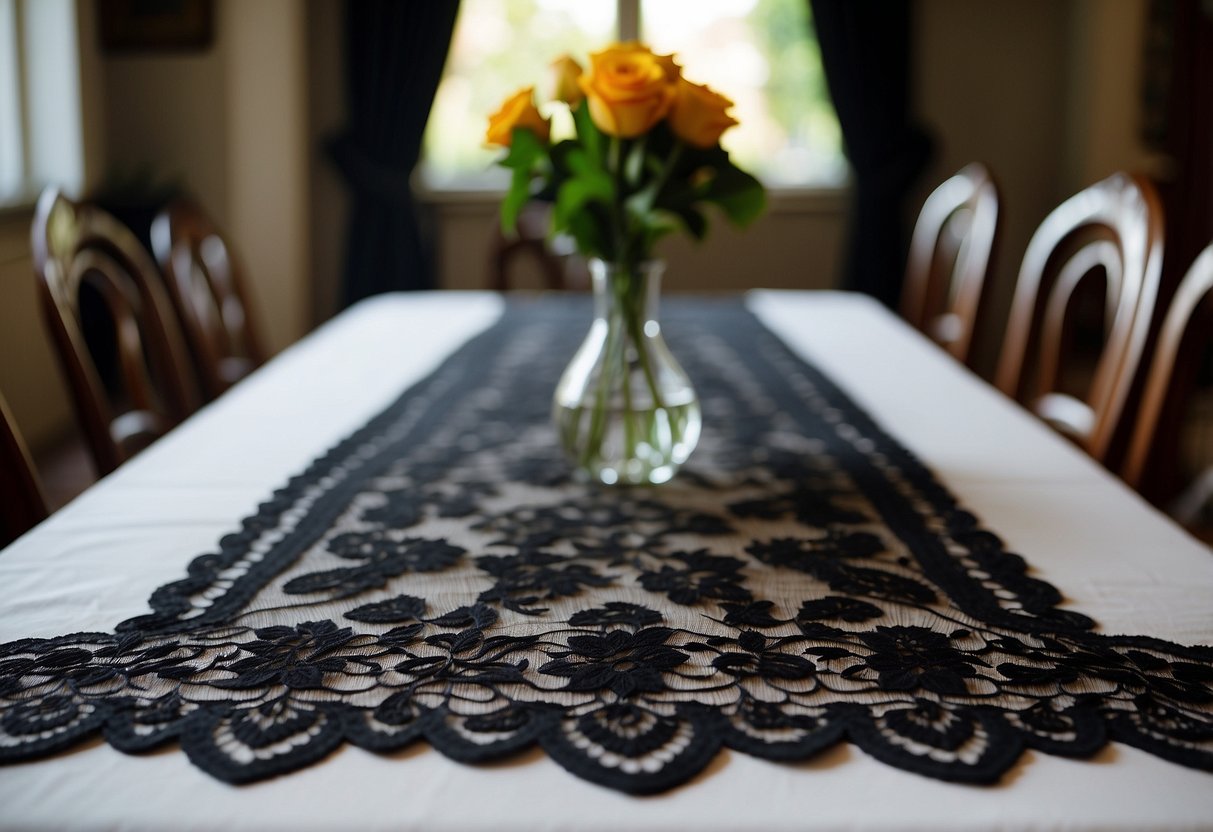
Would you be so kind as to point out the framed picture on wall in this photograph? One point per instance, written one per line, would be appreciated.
(155, 25)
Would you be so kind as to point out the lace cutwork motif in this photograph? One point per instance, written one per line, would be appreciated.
(436, 576)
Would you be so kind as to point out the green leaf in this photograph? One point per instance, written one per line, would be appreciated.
(516, 197)
(640, 204)
(527, 158)
(588, 134)
(677, 195)
(693, 220)
(588, 228)
(525, 150)
(586, 183)
(633, 164)
(581, 163)
(659, 226)
(739, 195)
(575, 193)
(560, 153)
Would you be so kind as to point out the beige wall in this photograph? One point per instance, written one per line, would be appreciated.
(166, 118)
(265, 95)
(795, 245)
(229, 125)
(1045, 93)
(1104, 92)
(990, 83)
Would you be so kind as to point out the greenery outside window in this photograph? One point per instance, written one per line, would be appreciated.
(760, 53)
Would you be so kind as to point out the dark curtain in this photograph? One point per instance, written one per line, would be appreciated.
(1178, 124)
(395, 52)
(865, 51)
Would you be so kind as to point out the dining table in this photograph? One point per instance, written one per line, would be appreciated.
(362, 589)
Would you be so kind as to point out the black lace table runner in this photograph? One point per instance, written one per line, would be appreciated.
(805, 581)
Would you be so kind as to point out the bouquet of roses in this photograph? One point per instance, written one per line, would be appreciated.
(644, 160)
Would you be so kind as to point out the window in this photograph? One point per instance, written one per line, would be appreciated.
(760, 53)
(40, 134)
(12, 163)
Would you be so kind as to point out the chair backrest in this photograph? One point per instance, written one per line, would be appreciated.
(1113, 227)
(949, 259)
(530, 240)
(207, 288)
(80, 250)
(22, 505)
(1187, 327)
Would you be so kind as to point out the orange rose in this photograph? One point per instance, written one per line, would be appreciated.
(629, 89)
(518, 111)
(671, 69)
(698, 115)
(565, 72)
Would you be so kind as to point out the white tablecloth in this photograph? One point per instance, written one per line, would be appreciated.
(96, 562)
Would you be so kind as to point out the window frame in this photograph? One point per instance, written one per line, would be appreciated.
(825, 197)
(18, 113)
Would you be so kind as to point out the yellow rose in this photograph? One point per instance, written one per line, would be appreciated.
(698, 115)
(629, 89)
(565, 72)
(518, 111)
(672, 70)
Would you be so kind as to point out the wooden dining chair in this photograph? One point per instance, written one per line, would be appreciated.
(558, 269)
(1112, 229)
(22, 505)
(85, 258)
(208, 291)
(949, 259)
(1152, 463)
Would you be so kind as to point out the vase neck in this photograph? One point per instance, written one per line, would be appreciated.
(626, 290)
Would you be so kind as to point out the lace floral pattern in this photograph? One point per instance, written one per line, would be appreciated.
(806, 581)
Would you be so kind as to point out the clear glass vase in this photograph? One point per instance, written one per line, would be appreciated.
(625, 410)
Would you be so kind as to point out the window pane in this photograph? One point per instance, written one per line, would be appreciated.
(763, 56)
(52, 75)
(498, 47)
(11, 184)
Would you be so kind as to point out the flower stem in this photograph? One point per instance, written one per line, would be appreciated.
(619, 233)
(634, 307)
(628, 285)
(667, 170)
(598, 417)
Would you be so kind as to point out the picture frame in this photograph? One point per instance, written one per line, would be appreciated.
(132, 26)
